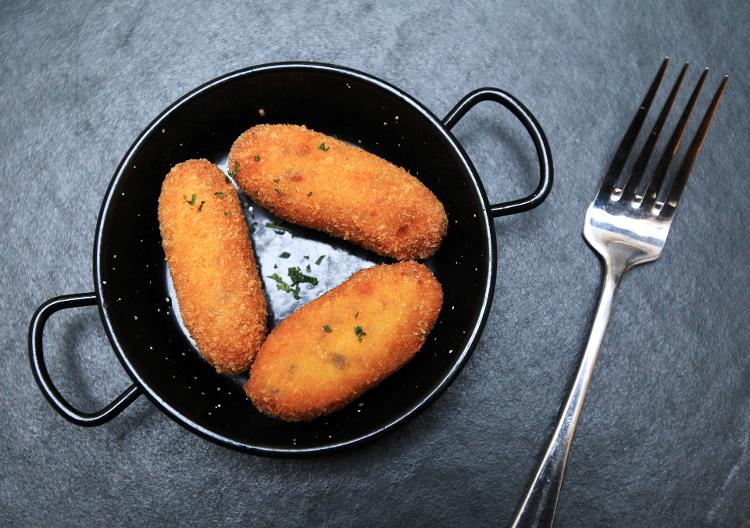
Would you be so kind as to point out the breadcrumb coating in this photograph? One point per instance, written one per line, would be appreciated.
(317, 181)
(211, 260)
(345, 342)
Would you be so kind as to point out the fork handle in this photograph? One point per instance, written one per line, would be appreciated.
(538, 507)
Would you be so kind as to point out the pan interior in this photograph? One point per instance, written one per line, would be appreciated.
(139, 306)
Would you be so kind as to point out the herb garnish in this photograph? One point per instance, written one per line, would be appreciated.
(219, 195)
(360, 333)
(307, 268)
(280, 229)
(227, 213)
(191, 201)
(323, 147)
(320, 259)
(284, 254)
(233, 174)
(201, 205)
(327, 329)
(282, 285)
(256, 158)
(296, 278)
(276, 180)
(278, 191)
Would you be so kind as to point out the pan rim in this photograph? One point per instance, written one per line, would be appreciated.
(423, 402)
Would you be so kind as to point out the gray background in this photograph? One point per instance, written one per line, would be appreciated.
(665, 435)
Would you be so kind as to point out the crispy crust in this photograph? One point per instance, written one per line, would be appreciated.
(344, 190)
(303, 371)
(212, 265)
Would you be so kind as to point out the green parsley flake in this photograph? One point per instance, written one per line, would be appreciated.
(282, 285)
(256, 158)
(201, 205)
(285, 254)
(320, 259)
(298, 277)
(360, 333)
(219, 195)
(280, 229)
(233, 173)
(323, 147)
(327, 329)
(307, 268)
(191, 201)
(276, 180)
(227, 213)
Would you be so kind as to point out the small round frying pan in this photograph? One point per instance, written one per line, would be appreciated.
(133, 289)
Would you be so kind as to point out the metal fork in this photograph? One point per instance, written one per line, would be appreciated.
(626, 229)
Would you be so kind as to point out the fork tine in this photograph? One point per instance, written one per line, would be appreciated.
(652, 190)
(680, 179)
(639, 167)
(618, 162)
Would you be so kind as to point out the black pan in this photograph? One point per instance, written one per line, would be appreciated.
(133, 289)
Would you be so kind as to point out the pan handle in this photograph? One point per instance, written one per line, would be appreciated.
(39, 368)
(532, 126)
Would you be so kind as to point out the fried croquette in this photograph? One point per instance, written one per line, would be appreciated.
(345, 342)
(210, 257)
(319, 182)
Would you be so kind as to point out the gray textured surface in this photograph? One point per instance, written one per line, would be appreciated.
(665, 436)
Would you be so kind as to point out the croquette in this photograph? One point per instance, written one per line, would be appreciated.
(319, 182)
(345, 342)
(210, 258)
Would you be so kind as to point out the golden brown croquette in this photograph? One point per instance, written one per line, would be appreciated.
(210, 257)
(319, 182)
(345, 342)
